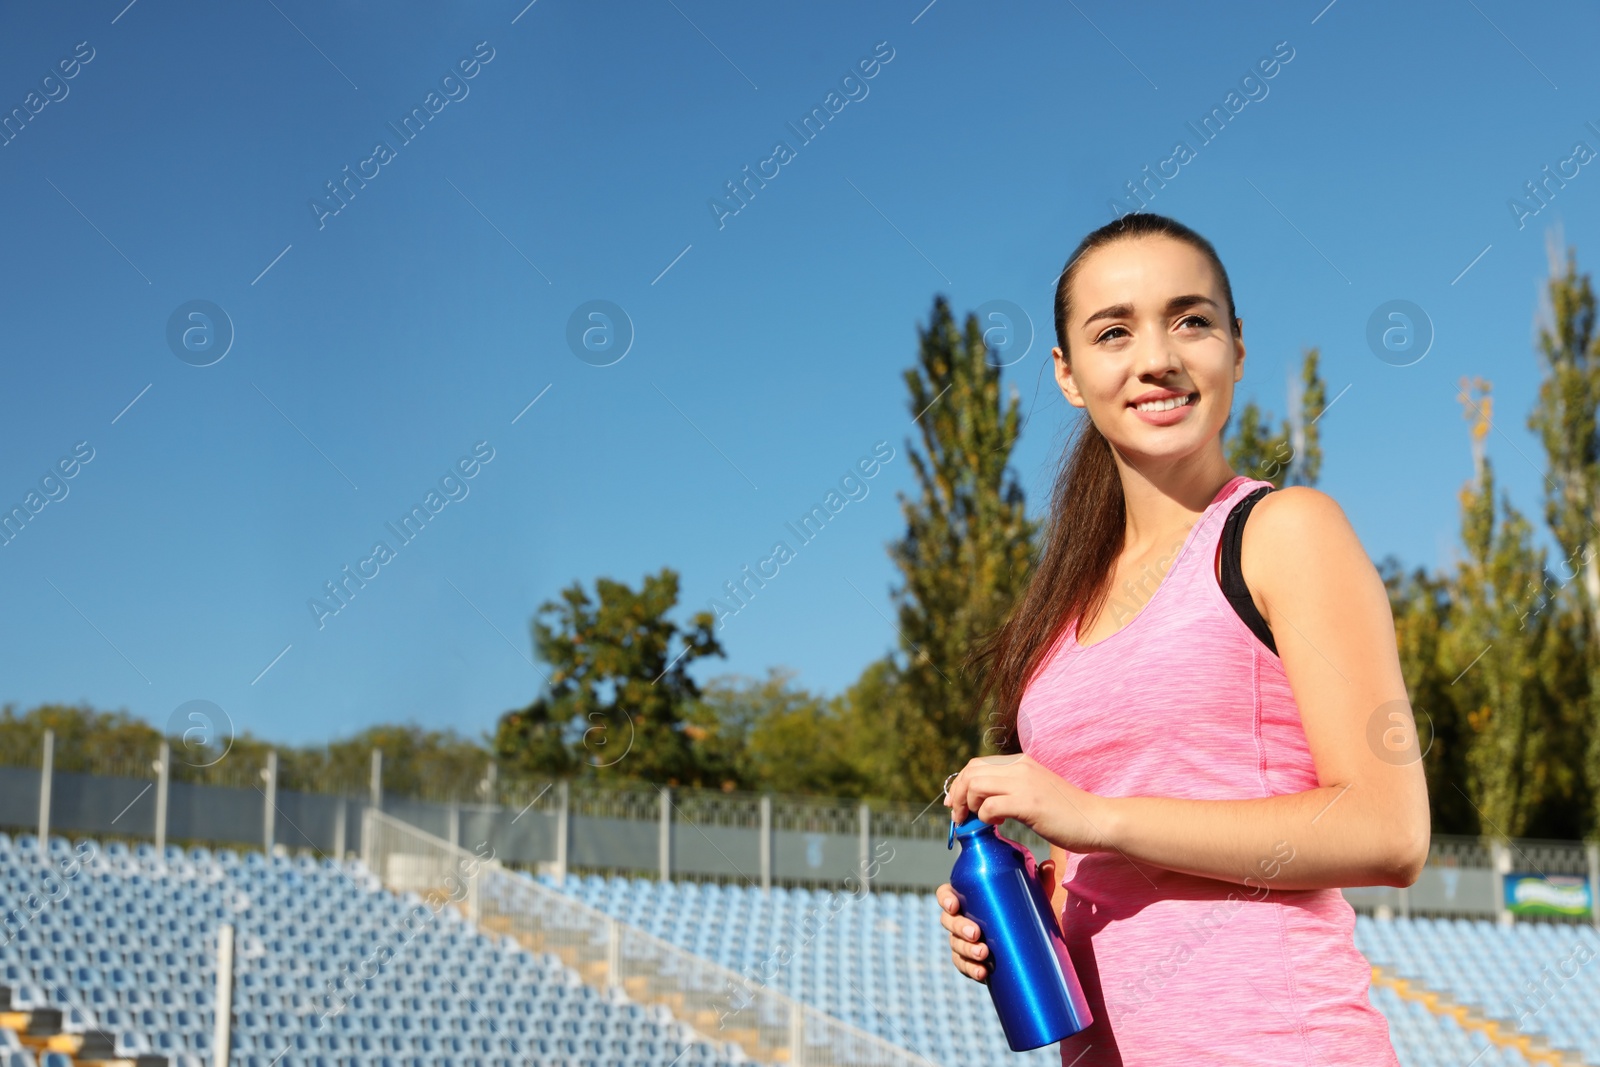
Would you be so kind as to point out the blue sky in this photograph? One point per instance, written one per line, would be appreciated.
(376, 347)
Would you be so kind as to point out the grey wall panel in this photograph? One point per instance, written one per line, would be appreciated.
(307, 820)
(717, 850)
(918, 864)
(214, 813)
(429, 818)
(1373, 896)
(516, 836)
(86, 803)
(626, 843)
(19, 796)
(814, 855)
(1468, 890)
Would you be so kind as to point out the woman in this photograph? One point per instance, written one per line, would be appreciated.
(1208, 770)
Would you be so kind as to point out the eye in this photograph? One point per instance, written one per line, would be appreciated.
(1107, 334)
(1201, 319)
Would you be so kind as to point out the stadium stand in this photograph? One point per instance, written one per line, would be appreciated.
(881, 962)
(1533, 978)
(112, 957)
(1451, 991)
(108, 954)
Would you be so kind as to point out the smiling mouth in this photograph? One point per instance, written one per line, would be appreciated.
(1168, 404)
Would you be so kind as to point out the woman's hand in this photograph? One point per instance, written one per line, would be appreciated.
(967, 950)
(1019, 787)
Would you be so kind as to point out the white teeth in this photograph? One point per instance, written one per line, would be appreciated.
(1165, 405)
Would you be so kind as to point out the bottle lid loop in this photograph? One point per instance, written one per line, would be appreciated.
(951, 842)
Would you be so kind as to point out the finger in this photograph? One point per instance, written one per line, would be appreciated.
(983, 789)
(975, 952)
(994, 809)
(957, 798)
(975, 971)
(964, 929)
(978, 972)
(954, 799)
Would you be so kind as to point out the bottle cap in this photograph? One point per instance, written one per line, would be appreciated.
(969, 826)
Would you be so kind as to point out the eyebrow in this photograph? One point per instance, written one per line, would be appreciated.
(1175, 305)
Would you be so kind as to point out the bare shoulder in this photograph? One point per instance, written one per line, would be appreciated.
(1299, 538)
(1298, 520)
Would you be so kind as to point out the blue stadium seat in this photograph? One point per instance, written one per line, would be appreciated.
(892, 945)
(131, 951)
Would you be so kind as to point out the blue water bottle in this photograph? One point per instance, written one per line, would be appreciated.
(1032, 983)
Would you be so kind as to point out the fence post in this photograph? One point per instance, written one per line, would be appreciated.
(563, 826)
(1592, 852)
(340, 826)
(368, 832)
(797, 1034)
(613, 953)
(490, 788)
(866, 847)
(163, 777)
(766, 844)
(664, 839)
(377, 779)
(49, 767)
(453, 815)
(269, 809)
(222, 1035)
(1501, 856)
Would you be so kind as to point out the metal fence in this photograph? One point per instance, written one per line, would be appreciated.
(708, 835)
(720, 1003)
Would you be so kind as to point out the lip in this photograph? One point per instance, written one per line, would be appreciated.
(1159, 394)
(1165, 418)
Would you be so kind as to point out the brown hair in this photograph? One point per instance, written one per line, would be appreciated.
(1087, 522)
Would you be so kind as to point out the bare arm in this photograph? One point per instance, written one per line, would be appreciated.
(1365, 822)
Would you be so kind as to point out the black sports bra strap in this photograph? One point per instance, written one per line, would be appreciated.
(1233, 585)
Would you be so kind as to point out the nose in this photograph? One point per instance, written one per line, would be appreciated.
(1157, 357)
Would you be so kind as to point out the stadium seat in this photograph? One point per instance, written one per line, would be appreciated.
(881, 961)
(131, 951)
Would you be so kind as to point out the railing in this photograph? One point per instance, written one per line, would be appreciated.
(720, 1003)
(705, 835)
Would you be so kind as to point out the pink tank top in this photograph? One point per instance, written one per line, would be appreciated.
(1185, 701)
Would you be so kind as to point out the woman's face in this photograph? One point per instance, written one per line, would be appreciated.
(1149, 318)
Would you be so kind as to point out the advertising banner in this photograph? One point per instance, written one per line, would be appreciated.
(1531, 893)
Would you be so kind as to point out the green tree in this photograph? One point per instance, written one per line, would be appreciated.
(1293, 455)
(433, 764)
(774, 735)
(1423, 608)
(86, 741)
(966, 552)
(1565, 419)
(1495, 646)
(618, 692)
(875, 705)
(417, 762)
